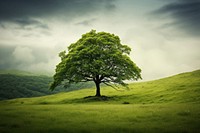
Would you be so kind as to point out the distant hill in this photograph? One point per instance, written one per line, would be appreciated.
(21, 72)
(18, 84)
(16, 72)
(181, 88)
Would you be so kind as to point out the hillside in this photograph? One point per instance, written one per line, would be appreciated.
(16, 72)
(18, 84)
(181, 88)
(169, 105)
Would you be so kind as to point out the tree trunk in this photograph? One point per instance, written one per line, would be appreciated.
(98, 94)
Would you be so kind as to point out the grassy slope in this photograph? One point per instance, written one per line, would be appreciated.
(167, 105)
(182, 88)
(17, 84)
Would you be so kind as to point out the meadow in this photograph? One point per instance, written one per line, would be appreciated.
(169, 105)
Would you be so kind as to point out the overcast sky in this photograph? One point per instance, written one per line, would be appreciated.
(164, 34)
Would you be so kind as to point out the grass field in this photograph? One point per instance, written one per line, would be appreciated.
(169, 105)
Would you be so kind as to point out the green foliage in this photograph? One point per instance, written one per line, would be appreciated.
(98, 57)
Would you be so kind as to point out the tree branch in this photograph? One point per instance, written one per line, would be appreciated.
(116, 88)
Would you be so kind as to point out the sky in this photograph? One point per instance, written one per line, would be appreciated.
(164, 35)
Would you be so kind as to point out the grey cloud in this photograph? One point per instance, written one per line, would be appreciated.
(19, 53)
(27, 22)
(109, 5)
(21, 10)
(24, 57)
(6, 60)
(86, 22)
(11, 10)
(185, 13)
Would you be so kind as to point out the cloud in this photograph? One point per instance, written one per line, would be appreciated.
(6, 60)
(44, 28)
(184, 15)
(38, 18)
(160, 57)
(29, 58)
(23, 55)
(24, 23)
(21, 10)
(86, 22)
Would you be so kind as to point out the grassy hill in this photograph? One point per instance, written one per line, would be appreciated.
(169, 105)
(182, 88)
(16, 72)
(18, 84)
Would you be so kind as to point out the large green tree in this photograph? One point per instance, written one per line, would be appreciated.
(98, 57)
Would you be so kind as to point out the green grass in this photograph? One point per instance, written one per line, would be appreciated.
(169, 105)
(100, 118)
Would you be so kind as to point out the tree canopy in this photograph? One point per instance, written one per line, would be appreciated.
(98, 57)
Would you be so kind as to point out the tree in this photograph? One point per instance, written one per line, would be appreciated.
(98, 57)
